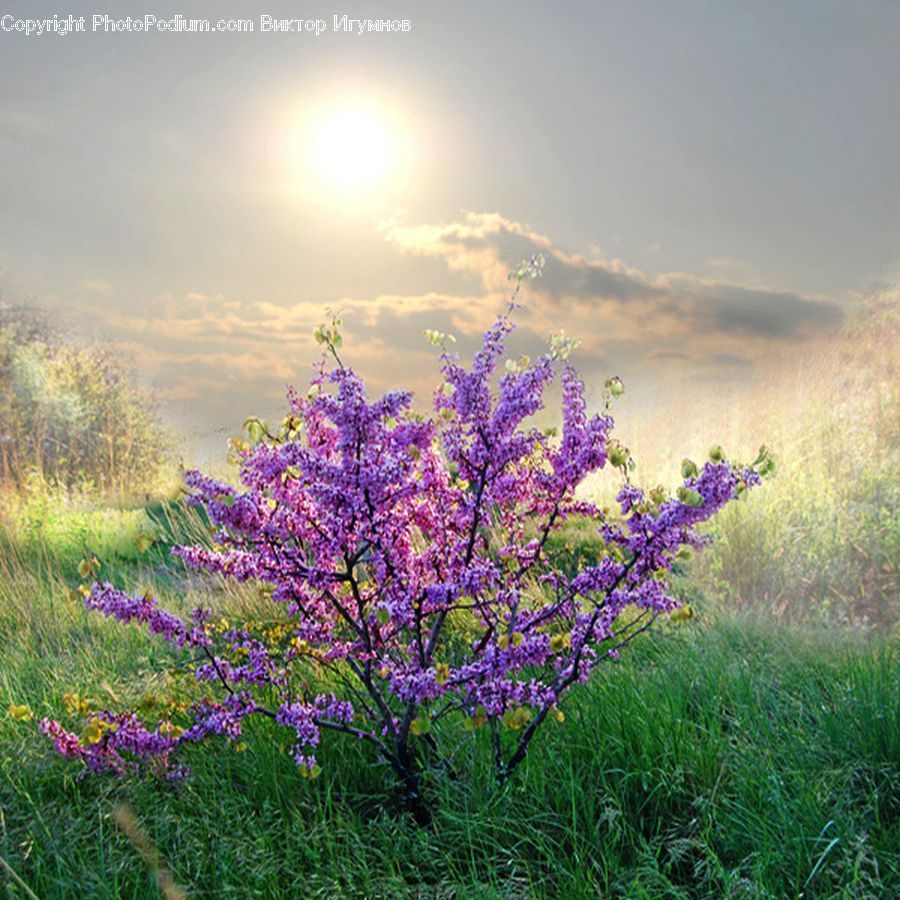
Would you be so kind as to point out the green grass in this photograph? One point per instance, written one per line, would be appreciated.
(728, 758)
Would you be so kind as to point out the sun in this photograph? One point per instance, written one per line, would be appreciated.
(342, 152)
(351, 148)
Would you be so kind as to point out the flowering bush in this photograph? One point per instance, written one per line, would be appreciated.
(410, 557)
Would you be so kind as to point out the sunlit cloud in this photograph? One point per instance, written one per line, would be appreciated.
(678, 314)
(226, 358)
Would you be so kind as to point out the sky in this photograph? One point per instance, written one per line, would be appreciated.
(712, 185)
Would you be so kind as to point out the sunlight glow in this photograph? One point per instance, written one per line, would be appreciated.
(351, 148)
(340, 151)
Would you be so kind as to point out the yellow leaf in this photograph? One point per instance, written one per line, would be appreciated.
(93, 732)
(442, 673)
(557, 714)
(522, 716)
(517, 639)
(20, 713)
(502, 641)
(74, 703)
(682, 614)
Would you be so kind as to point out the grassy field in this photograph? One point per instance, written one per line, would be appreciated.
(717, 759)
(752, 752)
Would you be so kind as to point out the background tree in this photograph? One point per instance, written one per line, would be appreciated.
(71, 414)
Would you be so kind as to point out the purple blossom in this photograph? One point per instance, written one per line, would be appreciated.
(411, 557)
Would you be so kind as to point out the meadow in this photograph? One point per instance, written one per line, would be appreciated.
(751, 751)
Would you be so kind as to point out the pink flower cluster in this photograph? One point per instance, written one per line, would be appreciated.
(114, 742)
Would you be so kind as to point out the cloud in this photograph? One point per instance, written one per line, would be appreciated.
(220, 358)
(674, 316)
(771, 314)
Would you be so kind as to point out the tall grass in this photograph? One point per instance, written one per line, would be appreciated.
(821, 541)
(727, 760)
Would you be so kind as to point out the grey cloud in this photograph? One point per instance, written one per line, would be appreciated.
(699, 306)
(773, 314)
(236, 354)
(729, 360)
(666, 355)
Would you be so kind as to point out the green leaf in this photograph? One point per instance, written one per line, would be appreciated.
(255, 428)
(689, 497)
(615, 386)
(420, 725)
(438, 337)
(20, 712)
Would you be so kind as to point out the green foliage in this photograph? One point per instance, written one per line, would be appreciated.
(71, 417)
(574, 546)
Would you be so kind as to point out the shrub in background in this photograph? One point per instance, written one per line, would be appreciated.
(71, 416)
(410, 556)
